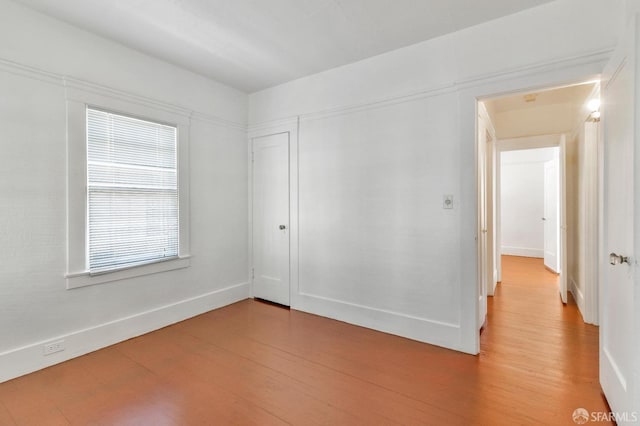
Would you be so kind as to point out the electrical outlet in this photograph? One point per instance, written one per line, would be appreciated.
(53, 347)
(447, 201)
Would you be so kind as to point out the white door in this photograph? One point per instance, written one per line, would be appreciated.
(271, 218)
(482, 222)
(551, 213)
(619, 326)
(562, 219)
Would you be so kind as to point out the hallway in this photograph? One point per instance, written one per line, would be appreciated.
(547, 353)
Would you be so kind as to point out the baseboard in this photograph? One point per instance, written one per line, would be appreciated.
(30, 358)
(522, 251)
(434, 332)
(578, 296)
(491, 288)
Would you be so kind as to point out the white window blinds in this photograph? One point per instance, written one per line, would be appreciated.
(132, 191)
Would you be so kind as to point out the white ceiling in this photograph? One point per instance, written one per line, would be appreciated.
(547, 112)
(255, 44)
(573, 95)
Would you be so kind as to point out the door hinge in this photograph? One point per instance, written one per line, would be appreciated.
(252, 156)
(253, 273)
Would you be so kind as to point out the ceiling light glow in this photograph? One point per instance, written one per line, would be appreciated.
(594, 105)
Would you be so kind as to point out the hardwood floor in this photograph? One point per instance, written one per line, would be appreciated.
(254, 363)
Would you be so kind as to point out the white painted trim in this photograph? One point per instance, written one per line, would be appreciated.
(422, 329)
(19, 361)
(381, 103)
(82, 90)
(490, 194)
(522, 251)
(71, 82)
(83, 279)
(77, 100)
(578, 296)
(584, 61)
(30, 72)
(255, 130)
(217, 121)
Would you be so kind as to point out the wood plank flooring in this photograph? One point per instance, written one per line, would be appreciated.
(254, 363)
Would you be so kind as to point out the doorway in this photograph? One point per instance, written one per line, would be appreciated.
(530, 205)
(554, 119)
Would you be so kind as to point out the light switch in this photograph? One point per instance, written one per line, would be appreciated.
(447, 201)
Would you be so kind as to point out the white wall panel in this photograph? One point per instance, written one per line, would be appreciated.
(373, 230)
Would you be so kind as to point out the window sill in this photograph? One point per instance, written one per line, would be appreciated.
(84, 279)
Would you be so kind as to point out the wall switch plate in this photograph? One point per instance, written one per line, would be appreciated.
(53, 347)
(447, 201)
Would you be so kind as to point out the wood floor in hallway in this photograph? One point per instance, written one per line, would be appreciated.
(253, 363)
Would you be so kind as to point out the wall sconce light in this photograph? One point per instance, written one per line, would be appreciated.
(594, 106)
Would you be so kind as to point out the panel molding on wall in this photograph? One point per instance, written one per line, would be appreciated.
(395, 315)
(71, 82)
(30, 358)
(597, 57)
(421, 329)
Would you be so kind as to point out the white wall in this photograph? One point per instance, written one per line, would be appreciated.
(380, 142)
(36, 53)
(373, 231)
(522, 201)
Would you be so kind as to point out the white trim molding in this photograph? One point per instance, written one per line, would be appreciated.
(83, 279)
(30, 358)
(522, 251)
(70, 83)
(30, 72)
(79, 95)
(434, 332)
(591, 62)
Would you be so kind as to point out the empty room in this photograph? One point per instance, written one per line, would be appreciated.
(290, 212)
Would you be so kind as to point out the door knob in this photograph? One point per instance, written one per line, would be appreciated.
(617, 259)
(283, 227)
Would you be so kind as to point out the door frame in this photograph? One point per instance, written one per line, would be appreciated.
(555, 74)
(289, 126)
(538, 142)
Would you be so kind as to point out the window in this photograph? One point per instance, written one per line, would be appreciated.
(132, 191)
(127, 186)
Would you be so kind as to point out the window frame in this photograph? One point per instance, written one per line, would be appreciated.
(78, 100)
